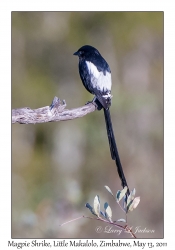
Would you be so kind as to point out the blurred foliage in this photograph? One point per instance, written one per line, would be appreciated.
(58, 167)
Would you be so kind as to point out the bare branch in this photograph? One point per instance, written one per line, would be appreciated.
(55, 112)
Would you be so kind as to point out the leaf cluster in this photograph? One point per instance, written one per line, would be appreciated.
(129, 204)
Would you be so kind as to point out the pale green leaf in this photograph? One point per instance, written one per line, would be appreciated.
(121, 194)
(97, 205)
(133, 192)
(118, 195)
(134, 204)
(108, 211)
(125, 204)
(130, 199)
(90, 208)
(121, 220)
(109, 190)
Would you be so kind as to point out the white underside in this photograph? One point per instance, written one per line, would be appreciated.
(99, 80)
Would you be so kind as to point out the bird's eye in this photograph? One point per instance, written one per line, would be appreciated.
(81, 52)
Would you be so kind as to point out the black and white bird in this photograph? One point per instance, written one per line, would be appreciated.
(95, 74)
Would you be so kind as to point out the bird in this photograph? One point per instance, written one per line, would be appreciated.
(95, 75)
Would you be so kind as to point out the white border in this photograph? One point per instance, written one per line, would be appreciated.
(5, 95)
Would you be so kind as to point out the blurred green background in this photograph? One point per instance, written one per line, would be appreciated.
(58, 167)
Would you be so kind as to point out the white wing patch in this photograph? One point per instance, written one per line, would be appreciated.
(99, 80)
(93, 69)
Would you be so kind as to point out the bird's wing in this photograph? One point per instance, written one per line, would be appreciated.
(100, 84)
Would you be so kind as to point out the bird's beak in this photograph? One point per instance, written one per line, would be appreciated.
(76, 53)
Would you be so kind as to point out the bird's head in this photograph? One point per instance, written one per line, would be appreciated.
(86, 51)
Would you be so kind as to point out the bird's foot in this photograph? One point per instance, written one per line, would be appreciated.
(96, 103)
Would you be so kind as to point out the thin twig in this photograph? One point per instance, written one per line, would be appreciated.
(125, 228)
(71, 221)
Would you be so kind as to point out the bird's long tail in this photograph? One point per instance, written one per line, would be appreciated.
(113, 148)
